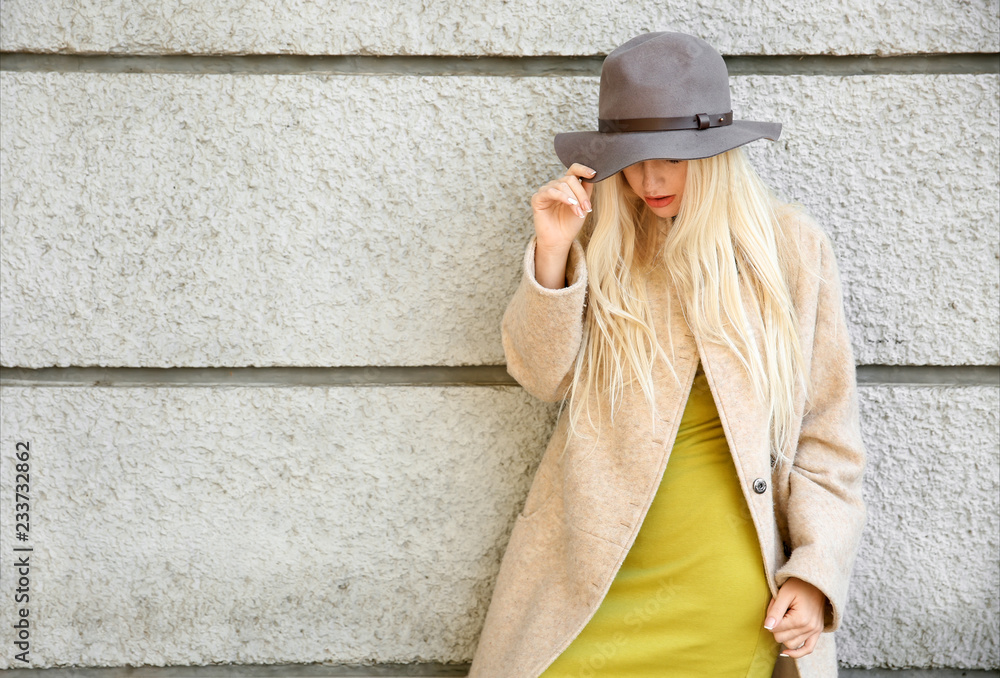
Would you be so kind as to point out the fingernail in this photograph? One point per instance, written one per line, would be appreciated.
(769, 624)
(782, 655)
(574, 201)
(587, 206)
(593, 172)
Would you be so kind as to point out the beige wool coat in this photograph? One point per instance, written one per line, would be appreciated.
(584, 508)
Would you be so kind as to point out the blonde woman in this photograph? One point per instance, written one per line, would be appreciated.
(698, 509)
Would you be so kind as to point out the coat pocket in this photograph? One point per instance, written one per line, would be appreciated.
(539, 494)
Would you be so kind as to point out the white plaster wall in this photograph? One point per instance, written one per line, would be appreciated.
(264, 525)
(925, 590)
(194, 525)
(230, 220)
(502, 27)
(321, 220)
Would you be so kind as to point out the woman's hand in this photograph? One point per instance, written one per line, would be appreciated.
(560, 208)
(799, 608)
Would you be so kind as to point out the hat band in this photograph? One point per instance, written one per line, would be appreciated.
(699, 121)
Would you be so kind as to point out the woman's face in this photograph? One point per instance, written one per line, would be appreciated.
(660, 183)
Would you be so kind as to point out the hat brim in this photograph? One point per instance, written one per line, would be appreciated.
(611, 152)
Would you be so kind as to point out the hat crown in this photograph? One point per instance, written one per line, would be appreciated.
(666, 75)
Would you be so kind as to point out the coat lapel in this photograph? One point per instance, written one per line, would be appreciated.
(743, 416)
(744, 420)
(623, 483)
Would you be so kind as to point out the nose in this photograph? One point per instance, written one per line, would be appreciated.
(650, 180)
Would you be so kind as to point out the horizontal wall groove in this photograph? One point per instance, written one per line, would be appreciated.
(474, 375)
(381, 670)
(504, 66)
(435, 670)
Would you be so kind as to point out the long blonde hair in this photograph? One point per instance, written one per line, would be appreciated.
(728, 226)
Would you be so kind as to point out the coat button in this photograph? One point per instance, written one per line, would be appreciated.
(759, 485)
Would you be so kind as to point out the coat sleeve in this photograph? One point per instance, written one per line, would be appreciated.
(542, 328)
(826, 512)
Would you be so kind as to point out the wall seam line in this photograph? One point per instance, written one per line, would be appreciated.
(487, 66)
(475, 375)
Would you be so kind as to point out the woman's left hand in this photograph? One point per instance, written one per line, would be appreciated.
(798, 610)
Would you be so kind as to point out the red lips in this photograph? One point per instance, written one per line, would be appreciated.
(659, 202)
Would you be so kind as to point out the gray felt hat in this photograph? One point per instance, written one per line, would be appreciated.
(663, 95)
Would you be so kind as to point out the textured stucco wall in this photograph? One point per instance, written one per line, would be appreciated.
(926, 587)
(304, 524)
(494, 26)
(324, 220)
(266, 525)
(149, 218)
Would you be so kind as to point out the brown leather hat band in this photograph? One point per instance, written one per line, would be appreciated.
(700, 121)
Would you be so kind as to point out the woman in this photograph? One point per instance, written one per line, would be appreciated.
(651, 542)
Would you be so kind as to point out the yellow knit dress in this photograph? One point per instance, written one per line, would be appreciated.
(690, 597)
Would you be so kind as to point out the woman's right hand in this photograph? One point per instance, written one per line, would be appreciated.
(560, 208)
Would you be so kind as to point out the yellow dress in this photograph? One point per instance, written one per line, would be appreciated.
(690, 597)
